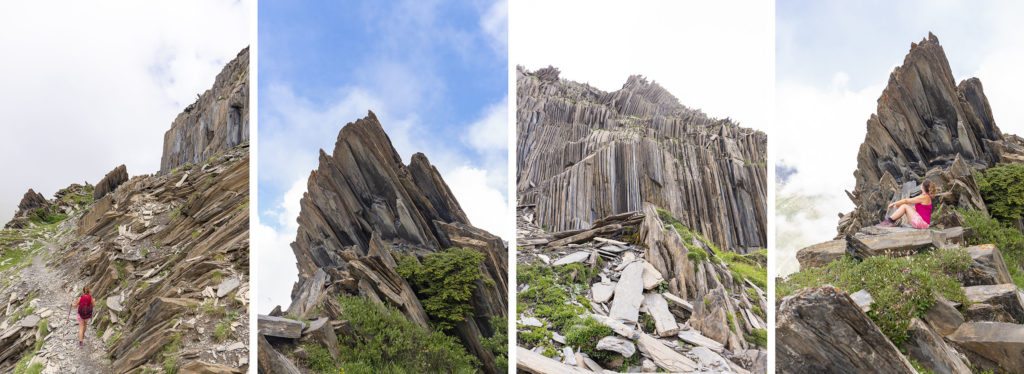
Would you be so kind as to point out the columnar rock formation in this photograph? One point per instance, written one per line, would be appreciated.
(924, 121)
(110, 182)
(584, 154)
(217, 121)
(363, 209)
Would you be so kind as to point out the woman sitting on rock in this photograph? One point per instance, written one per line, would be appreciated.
(917, 209)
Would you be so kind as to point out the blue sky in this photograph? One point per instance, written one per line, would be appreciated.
(435, 73)
(833, 58)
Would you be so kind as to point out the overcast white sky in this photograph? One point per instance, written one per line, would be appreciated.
(834, 59)
(716, 56)
(85, 87)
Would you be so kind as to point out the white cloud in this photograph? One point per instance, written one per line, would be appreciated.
(490, 133)
(837, 116)
(276, 263)
(485, 205)
(494, 22)
(713, 55)
(86, 87)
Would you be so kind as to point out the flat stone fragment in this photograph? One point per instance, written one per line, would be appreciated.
(863, 299)
(572, 258)
(999, 342)
(1005, 295)
(676, 300)
(931, 351)
(530, 321)
(602, 292)
(695, 338)
(943, 316)
(663, 356)
(628, 294)
(657, 307)
(821, 330)
(114, 303)
(651, 276)
(227, 286)
(533, 362)
(617, 344)
(279, 327)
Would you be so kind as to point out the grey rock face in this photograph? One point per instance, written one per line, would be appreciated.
(822, 330)
(584, 154)
(217, 121)
(923, 120)
(363, 205)
(110, 182)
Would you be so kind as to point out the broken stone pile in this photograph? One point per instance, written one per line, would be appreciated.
(166, 257)
(584, 154)
(667, 312)
(926, 126)
(363, 209)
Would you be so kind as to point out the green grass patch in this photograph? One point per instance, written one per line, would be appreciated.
(902, 288)
(758, 336)
(584, 333)
(549, 296)
(170, 354)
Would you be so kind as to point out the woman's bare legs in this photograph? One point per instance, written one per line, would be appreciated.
(900, 212)
(81, 330)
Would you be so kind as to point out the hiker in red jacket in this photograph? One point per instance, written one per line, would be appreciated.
(84, 304)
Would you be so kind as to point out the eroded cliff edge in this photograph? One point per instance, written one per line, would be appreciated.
(217, 121)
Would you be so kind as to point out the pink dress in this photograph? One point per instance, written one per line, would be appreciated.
(924, 216)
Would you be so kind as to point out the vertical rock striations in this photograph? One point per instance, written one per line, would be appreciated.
(584, 154)
(217, 121)
(363, 209)
(924, 120)
(110, 182)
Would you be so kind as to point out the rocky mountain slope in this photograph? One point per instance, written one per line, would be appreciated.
(218, 120)
(639, 227)
(903, 300)
(925, 122)
(373, 227)
(166, 256)
(637, 291)
(584, 154)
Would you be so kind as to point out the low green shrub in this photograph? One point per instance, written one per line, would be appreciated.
(383, 338)
(1002, 188)
(498, 343)
(444, 282)
(584, 333)
(758, 336)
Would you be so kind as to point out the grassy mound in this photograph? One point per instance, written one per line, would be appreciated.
(902, 288)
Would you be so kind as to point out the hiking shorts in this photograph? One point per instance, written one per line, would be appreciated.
(80, 319)
(917, 222)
